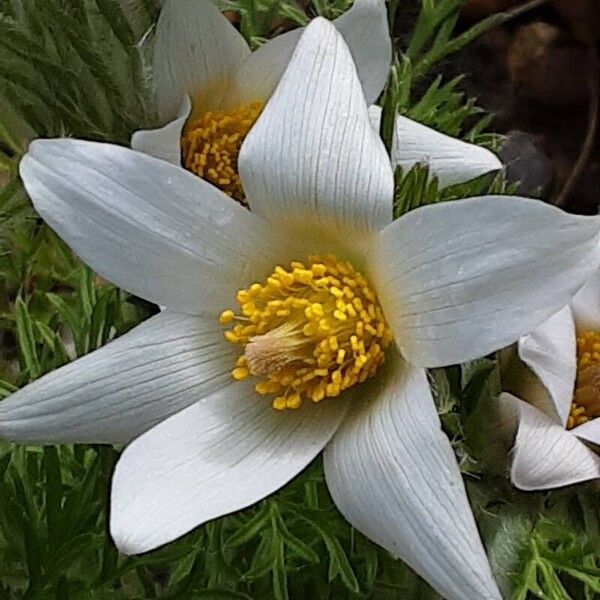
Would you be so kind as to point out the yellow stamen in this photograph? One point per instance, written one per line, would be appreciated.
(210, 146)
(586, 399)
(309, 332)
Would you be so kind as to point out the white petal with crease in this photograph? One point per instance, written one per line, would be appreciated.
(550, 352)
(214, 458)
(451, 160)
(365, 30)
(461, 279)
(586, 304)
(589, 431)
(196, 51)
(164, 142)
(149, 227)
(313, 158)
(393, 474)
(115, 393)
(545, 454)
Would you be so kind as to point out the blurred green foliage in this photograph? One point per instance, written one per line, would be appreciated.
(83, 68)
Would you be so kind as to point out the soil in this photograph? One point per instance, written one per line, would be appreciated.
(539, 74)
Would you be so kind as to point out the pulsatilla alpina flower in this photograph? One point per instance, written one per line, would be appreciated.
(557, 380)
(210, 88)
(314, 302)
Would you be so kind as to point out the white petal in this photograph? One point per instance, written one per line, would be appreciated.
(586, 305)
(258, 76)
(550, 352)
(461, 279)
(451, 160)
(545, 454)
(589, 431)
(214, 458)
(124, 388)
(147, 226)
(365, 30)
(392, 473)
(196, 51)
(375, 117)
(313, 158)
(164, 142)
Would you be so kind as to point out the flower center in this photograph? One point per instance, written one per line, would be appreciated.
(210, 146)
(309, 332)
(586, 400)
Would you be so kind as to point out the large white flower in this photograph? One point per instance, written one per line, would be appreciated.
(558, 374)
(204, 68)
(448, 283)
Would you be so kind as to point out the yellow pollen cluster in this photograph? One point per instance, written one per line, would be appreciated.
(210, 146)
(309, 332)
(586, 400)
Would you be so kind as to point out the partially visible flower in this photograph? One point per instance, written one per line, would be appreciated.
(558, 376)
(210, 88)
(449, 159)
(323, 281)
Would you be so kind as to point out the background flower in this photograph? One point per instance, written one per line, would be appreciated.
(205, 75)
(551, 445)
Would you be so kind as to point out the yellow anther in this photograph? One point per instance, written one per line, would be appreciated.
(243, 296)
(240, 373)
(279, 403)
(267, 387)
(303, 332)
(317, 309)
(310, 329)
(293, 401)
(303, 275)
(319, 269)
(211, 144)
(324, 326)
(586, 399)
(226, 317)
(273, 283)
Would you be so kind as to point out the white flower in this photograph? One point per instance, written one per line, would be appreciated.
(202, 61)
(562, 390)
(203, 67)
(455, 281)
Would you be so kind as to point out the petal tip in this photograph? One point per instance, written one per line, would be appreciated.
(126, 541)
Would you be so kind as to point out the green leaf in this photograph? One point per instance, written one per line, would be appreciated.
(26, 339)
(6, 389)
(53, 479)
(339, 564)
(251, 529)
